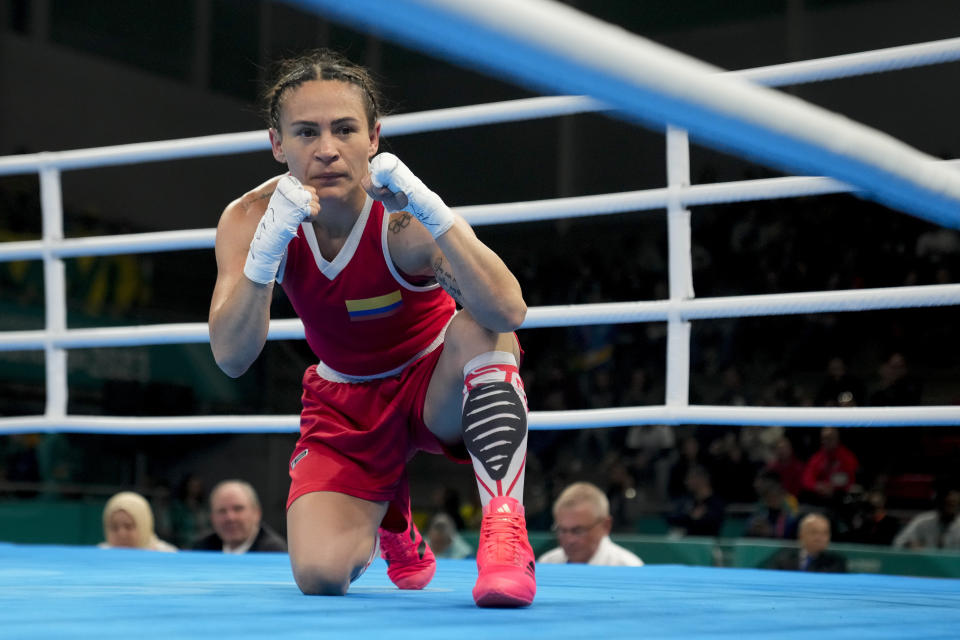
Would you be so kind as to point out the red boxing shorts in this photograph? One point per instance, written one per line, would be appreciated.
(356, 438)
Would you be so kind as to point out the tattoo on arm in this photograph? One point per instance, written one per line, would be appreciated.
(447, 281)
(400, 223)
(251, 203)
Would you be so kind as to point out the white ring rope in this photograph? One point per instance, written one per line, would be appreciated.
(530, 41)
(477, 215)
(215, 145)
(53, 249)
(804, 71)
(539, 420)
(111, 245)
(855, 64)
(776, 304)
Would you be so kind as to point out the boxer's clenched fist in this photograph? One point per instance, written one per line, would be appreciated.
(290, 204)
(395, 185)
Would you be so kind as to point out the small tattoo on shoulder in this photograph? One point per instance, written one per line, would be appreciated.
(265, 196)
(400, 223)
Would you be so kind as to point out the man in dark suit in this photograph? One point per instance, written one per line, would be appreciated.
(812, 555)
(237, 525)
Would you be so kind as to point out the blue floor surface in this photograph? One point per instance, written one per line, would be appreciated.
(78, 592)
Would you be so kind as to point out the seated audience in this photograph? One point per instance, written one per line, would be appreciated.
(647, 451)
(700, 512)
(732, 471)
(236, 518)
(190, 512)
(445, 540)
(898, 387)
(787, 466)
(871, 524)
(760, 443)
(582, 523)
(812, 555)
(689, 455)
(776, 515)
(830, 472)
(840, 388)
(936, 529)
(128, 523)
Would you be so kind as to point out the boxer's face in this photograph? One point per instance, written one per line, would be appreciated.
(325, 138)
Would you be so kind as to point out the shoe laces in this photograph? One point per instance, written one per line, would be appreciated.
(396, 545)
(504, 534)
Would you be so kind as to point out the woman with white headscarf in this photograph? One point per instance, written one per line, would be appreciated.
(128, 523)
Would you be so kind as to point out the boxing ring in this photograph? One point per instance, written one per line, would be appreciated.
(54, 591)
(69, 592)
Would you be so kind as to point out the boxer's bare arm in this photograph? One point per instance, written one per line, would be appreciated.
(240, 308)
(466, 268)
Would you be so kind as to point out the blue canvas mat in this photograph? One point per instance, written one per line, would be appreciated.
(81, 592)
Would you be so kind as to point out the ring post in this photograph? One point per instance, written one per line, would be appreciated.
(680, 268)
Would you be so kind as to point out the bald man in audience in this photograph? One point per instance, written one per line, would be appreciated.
(812, 555)
(237, 521)
(582, 523)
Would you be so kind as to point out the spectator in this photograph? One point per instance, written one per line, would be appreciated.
(897, 386)
(787, 466)
(760, 443)
(700, 512)
(648, 449)
(812, 554)
(734, 473)
(830, 472)
(236, 517)
(582, 524)
(690, 456)
(638, 391)
(871, 524)
(128, 523)
(840, 388)
(624, 495)
(162, 508)
(776, 515)
(445, 540)
(936, 529)
(733, 392)
(20, 461)
(938, 244)
(189, 512)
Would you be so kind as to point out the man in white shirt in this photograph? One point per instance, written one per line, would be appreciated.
(936, 529)
(582, 523)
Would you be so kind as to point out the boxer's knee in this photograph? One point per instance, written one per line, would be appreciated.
(328, 568)
(330, 575)
(318, 579)
(466, 338)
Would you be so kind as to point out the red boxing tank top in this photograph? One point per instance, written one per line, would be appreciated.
(361, 317)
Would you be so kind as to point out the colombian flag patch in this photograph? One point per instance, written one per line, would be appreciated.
(372, 308)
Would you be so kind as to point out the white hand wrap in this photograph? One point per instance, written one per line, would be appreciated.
(386, 170)
(289, 206)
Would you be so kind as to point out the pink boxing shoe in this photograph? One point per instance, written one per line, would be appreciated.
(410, 562)
(507, 570)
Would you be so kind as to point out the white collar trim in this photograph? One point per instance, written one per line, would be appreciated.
(331, 269)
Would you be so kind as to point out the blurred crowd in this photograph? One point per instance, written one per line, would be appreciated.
(723, 474)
